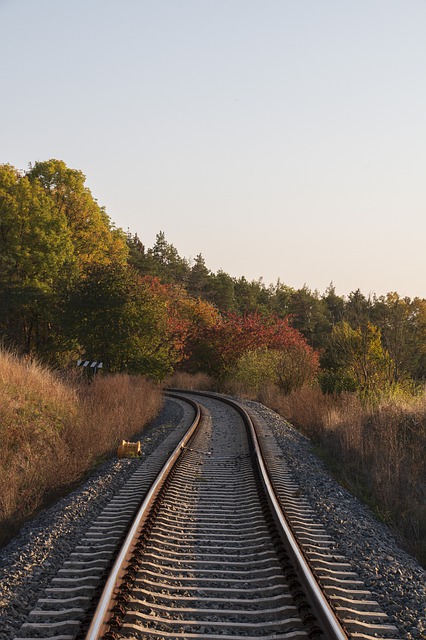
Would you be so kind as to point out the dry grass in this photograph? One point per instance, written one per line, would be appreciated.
(181, 380)
(52, 431)
(377, 452)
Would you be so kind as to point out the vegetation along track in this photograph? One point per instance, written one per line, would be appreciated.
(223, 546)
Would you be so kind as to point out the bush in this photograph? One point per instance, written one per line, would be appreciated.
(287, 369)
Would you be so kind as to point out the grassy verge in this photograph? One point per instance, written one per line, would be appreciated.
(377, 452)
(53, 431)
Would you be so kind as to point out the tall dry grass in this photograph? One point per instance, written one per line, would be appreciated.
(377, 451)
(53, 431)
(188, 381)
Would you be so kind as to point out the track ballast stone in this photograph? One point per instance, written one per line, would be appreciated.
(392, 575)
(30, 561)
(33, 558)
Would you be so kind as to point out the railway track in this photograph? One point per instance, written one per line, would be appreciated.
(222, 546)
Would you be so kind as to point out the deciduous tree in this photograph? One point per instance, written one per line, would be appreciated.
(403, 334)
(119, 318)
(360, 358)
(95, 238)
(36, 258)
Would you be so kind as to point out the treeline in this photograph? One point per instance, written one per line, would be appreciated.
(372, 345)
(72, 285)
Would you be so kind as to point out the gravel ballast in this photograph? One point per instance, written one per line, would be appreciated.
(30, 561)
(395, 578)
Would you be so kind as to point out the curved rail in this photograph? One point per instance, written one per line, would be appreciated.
(100, 618)
(316, 597)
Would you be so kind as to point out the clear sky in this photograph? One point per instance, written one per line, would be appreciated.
(279, 138)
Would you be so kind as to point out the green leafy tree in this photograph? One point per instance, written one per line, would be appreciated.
(95, 239)
(360, 360)
(119, 318)
(256, 368)
(289, 369)
(403, 334)
(36, 258)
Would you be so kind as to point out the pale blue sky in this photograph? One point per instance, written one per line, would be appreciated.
(279, 138)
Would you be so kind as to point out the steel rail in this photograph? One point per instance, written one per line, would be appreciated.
(316, 597)
(99, 622)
